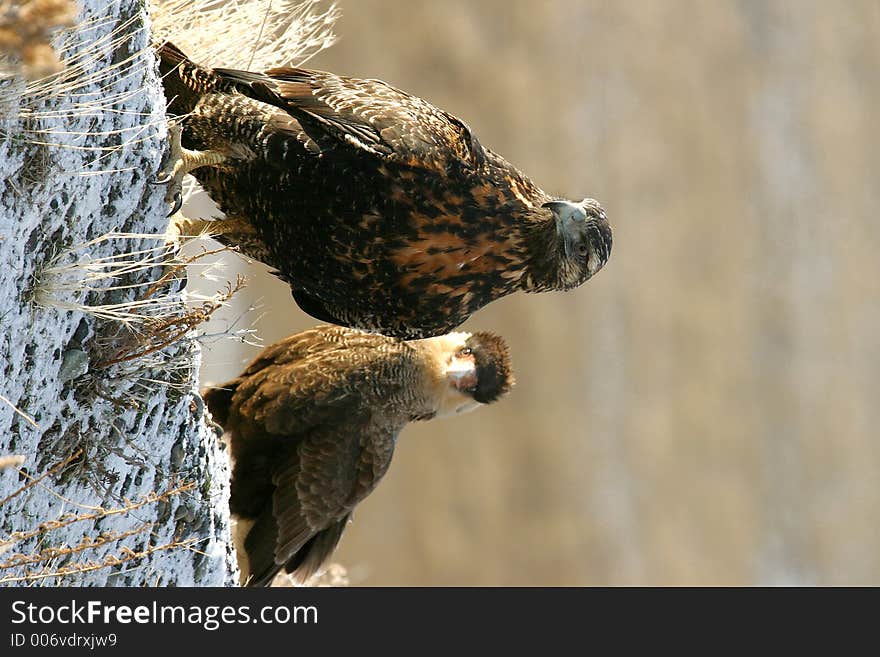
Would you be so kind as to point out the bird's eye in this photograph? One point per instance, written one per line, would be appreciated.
(464, 351)
(583, 249)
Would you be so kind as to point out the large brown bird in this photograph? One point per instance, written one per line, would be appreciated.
(312, 423)
(380, 210)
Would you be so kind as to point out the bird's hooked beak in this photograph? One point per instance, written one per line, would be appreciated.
(567, 215)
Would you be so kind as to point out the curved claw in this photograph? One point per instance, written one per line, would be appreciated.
(163, 178)
(178, 203)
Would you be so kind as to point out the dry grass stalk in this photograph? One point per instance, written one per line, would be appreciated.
(48, 473)
(255, 35)
(86, 543)
(27, 29)
(125, 555)
(96, 513)
(11, 461)
(20, 412)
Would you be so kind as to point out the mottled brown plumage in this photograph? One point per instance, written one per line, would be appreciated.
(312, 425)
(380, 210)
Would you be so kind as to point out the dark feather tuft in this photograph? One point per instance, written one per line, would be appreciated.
(310, 557)
(219, 400)
(260, 547)
(494, 373)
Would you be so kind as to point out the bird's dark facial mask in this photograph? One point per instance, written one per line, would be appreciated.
(493, 373)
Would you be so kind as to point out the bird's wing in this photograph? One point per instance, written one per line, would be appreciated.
(329, 473)
(368, 115)
(260, 546)
(303, 345)
(266, 371)
(314, 306)
(290, 399)
(311, 379)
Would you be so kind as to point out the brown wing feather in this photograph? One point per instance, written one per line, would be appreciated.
(319, 484)
(298, 383)
(366, 114)
(301, 345)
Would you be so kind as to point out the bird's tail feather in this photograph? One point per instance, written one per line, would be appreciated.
(316, 552)
(260, 547)
(184, 81)
(171, 55)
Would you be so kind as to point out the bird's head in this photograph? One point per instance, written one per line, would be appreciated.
(583, 238)
(471, 369)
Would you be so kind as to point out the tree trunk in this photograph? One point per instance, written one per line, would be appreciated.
(122, 481)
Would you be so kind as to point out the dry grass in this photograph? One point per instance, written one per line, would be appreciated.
(85, 543)
(142, 338)
(26, 33)
(126, 555)
(61, 109)
(93, 513)
(162, 332)
(334, 575)
(73, 278)
(11, 461)
(255, 35)
(34, 481)
(47, 557)
(289, 33)
(20, 412)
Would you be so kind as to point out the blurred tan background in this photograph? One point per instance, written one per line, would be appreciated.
(705, 411)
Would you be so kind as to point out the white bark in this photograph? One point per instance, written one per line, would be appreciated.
(138, 425)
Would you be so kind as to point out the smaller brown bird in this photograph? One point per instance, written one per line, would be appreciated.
(312, 424)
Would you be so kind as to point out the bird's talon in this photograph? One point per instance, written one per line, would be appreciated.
(178, 203)
(163, 178)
